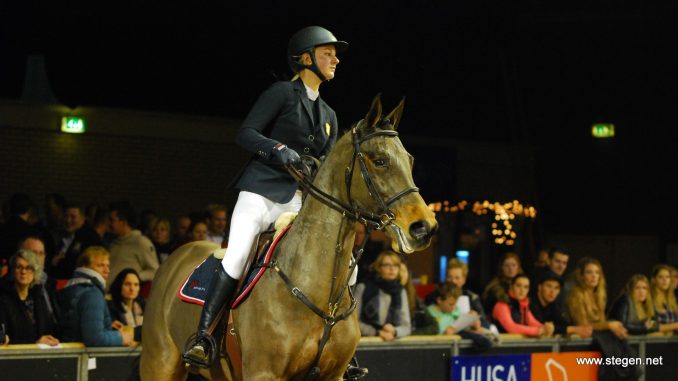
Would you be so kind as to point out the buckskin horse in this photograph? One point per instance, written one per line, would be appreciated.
(297, 323)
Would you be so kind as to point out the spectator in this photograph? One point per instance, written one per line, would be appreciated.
(217, 218)
(78, 236)
(663, 295)
(126, 305)
(497, 288)
(674, 280)
(85, 315)
(587, 300)
(382, 300)
(542, 260)
(416, 306)
(16, 228)
(54, 215)
(556, 265)
(160, 236)
(515, 316)
(146, 221)
(36, 245)
(197, 231)
(635, 310)
(457, 273)
(544, 307)
(181, 226)
(22, 306)
(99, 222)
(130, 248)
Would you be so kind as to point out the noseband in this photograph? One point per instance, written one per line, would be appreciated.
(372, 220)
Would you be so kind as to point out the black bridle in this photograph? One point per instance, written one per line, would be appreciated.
(373, 220)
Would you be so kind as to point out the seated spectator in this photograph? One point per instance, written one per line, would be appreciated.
(36, 245)
(663, 295)
(217, 219)
(160, 236)
(77, 237)
(130, 248)
(498, 287)
(446, 312)
(514, 316)
(587, 300)
(197, 231)
(126, 304)
(457, 273)
(545, 308)
(23, 308)
(635, 310)
(85, 314)
(382, 300)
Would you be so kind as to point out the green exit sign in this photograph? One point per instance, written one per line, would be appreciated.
(72, 125)
(602, 130)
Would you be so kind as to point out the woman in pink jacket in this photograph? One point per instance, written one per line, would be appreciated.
(514, 316)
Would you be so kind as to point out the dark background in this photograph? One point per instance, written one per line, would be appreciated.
(516, 72)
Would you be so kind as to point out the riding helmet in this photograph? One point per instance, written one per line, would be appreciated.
(305, 40)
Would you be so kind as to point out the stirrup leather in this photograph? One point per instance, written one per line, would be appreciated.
(201, 350)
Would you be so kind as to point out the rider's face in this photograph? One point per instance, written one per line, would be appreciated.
(326, 59)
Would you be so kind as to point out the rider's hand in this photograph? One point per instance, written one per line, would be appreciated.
(285, 154)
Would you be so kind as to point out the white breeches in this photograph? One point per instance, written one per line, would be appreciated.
(252, 215)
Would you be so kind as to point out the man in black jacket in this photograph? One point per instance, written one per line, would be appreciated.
(544, 307)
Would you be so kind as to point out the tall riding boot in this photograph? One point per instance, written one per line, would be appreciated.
(200, 352)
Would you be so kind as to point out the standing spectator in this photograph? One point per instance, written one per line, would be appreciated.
(515, 316)
(16, 228)
(382, 300)
(126, 304)
(85, 314)
(663, 295)
(77, 237)
(181, 226)
(130, 248)
(217, 218)
(160, 236)
(22, 306)
(588, 298)
(544, 307)
(497, 288)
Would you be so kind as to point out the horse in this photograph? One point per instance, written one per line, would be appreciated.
(297, 323)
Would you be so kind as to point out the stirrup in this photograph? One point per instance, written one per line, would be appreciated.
(354, 372)
(200, 350)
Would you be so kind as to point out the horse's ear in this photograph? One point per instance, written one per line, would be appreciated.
(396, 114)
(374, 115)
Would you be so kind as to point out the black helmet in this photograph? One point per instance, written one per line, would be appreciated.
(305, 40)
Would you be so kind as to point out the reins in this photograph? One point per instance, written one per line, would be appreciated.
(351, 212)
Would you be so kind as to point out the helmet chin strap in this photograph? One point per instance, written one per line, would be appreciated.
(314, 67)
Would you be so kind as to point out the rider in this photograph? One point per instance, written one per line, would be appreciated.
(289, 117)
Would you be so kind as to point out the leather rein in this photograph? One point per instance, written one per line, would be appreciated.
(350, 211)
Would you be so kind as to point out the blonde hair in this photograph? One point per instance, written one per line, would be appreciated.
(664, 301)
(644, 310)
(455, 263)
(374, 267)
(584, 305)
(33, 261)
(85, 259)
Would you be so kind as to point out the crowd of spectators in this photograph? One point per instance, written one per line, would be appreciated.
(72, 272)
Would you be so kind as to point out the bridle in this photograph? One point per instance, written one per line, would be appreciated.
(372, 220)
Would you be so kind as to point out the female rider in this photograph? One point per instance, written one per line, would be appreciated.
(289, 117)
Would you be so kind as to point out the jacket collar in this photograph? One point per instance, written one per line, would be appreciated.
(87, 276)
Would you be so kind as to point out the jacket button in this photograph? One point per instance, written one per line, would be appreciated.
(306, 149)
(311, 137)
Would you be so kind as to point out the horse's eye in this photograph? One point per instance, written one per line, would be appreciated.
(380, 163)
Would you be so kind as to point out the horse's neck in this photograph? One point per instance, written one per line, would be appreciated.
(320, 238)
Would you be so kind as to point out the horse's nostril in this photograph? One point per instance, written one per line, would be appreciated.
(420, 230)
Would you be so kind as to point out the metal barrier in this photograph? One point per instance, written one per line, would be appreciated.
(411, 358)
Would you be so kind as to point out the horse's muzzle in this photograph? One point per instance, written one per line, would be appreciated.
(422, 231)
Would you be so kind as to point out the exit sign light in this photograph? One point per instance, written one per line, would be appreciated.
(72, 125)
(602, 130)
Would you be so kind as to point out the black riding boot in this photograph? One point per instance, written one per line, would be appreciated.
(200, 352)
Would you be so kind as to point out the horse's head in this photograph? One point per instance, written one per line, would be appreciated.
(379, 184)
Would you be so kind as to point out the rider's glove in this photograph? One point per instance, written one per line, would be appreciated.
(285, 154)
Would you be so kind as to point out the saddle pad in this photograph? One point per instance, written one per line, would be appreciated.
(195, 287)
